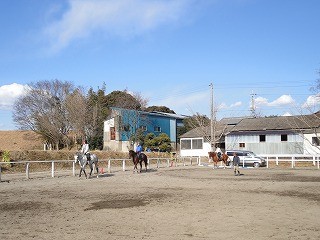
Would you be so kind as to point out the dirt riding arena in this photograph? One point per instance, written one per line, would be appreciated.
(167, 203)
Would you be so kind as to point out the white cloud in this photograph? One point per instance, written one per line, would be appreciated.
(114, 17)
(9, 93)
(281, 101)
(312, 101)
(237, 104)
(260, 101)
(286, 114)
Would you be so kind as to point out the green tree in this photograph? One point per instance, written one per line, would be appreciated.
(159, 109)
(98, 112)
(164, 142)
(161, 142)
(149, 141)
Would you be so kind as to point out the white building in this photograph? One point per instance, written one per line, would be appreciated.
(266, 135)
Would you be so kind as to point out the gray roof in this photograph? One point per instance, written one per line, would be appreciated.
(153, 113)
(221, 129)
(172, 115)
(232, 120)
(303, 123)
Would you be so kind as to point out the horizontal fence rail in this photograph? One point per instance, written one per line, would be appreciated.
(273, 158)
(107, 165)
(293, 159)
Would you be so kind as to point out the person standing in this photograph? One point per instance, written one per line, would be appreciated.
(236, 162)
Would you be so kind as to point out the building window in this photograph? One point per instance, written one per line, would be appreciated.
(157, 129)
(191, 144)
(284, 137)
(125, 128)
(196, 143)
(185, 144)
(144, 128)
(315, 141)
(242, 145)
(112, 133)
(262, 138)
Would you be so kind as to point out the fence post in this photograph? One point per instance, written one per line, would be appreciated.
(52, 169)
(123, 165)
(157, 162)
(199, 160)
(191, 161)
(27, 170)
(292, 162)
(267, 162)
(277, 160)
(318, 163)
(109, 166)
(73, 169)
(168, 162)
(184, 162)
(0, 173)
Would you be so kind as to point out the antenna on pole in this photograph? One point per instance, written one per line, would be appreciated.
(212, 121)
(253, 105)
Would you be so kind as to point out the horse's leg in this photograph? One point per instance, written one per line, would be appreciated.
(97, 169)
(80, 172)
(146, 163)
(91, 169)
(140, 165)
(215, 164)
(85, 174)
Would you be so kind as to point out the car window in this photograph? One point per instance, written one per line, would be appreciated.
(230, 153)
(253, 154)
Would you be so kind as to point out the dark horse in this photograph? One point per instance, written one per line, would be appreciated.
(224, 158)
(82, 159)
(138, 159)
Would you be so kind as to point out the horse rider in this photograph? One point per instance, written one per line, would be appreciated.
(218, 152)
(85, 149)
(138, 150)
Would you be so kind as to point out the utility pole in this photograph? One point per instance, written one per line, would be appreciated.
(212, 121)
(253, 106)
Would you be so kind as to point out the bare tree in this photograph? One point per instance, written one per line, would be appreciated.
(76, 106)
(43, 110)
(306, 121)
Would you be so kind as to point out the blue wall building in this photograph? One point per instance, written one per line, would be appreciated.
(124, 123)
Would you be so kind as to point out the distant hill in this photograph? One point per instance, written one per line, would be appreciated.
(20, 140)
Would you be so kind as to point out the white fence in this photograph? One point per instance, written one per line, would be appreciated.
(292, 159)
(118, 163)
(276, 159)
(167, 162)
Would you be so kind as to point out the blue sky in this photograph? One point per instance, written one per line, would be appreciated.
(167, 50)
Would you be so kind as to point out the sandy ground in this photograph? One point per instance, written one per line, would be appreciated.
(167, 203)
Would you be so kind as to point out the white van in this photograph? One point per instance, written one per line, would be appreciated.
(247, 157)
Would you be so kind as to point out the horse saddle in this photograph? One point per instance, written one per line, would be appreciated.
(88, 156)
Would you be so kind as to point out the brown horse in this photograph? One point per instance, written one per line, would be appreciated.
(224, 158)
(138, 159)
